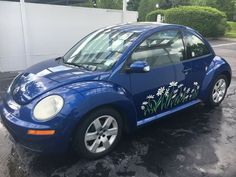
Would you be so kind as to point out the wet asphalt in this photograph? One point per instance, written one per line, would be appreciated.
(197, 142)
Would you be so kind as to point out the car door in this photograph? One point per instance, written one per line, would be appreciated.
(199, 55)
(156, 91)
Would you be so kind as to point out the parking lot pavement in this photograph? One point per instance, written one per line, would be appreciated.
(226, 49)
(195, 142)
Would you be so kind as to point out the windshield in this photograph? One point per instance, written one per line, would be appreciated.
(100, 50)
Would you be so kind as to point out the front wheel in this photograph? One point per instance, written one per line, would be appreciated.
(99, 133)
(218, 91)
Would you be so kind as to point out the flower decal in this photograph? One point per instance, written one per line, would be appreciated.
(160, 91)
(169, 97)
(173, 84)
(150, 96)
(188, 90)
(167, 92)
(145, 103)
(181, 85)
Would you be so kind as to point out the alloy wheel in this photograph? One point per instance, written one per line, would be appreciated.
(219, 91)
(101, 134)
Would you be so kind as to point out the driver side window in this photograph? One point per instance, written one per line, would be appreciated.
(161, 48)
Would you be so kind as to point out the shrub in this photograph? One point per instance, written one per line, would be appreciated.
(210, 22)
(152, 16)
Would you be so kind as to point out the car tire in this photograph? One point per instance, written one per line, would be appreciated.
(98, 133)
(218, 91)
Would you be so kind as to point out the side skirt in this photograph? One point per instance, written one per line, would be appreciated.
(150, 119)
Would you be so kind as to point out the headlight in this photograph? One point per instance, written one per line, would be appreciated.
(48, 107)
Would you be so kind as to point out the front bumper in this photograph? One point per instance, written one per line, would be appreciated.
(18, 129)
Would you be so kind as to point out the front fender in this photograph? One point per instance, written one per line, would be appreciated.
(100, 93)
(218, 66)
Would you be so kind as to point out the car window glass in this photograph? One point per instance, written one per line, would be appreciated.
(161, 48)
(100, 50)
(195, 46)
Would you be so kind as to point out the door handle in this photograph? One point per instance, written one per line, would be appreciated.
(187, 70)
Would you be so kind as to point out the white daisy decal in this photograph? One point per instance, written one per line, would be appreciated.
(170, 96)
(145, 103)
(150, 96)
(173, 84)
(160, 91)
(167, 92)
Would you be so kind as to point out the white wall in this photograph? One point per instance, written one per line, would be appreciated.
(12, 55)
(50, 30)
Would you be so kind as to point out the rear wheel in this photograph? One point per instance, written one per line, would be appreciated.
(99, 133)
(218, 91)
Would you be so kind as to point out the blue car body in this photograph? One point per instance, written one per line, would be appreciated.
(83, 91)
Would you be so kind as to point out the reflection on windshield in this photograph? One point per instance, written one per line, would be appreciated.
(100, 50)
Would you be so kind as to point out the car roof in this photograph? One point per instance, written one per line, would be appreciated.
(141, 27)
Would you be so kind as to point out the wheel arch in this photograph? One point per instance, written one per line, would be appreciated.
(218, 67)
(228, 76)
(128, 125)
(98, 98)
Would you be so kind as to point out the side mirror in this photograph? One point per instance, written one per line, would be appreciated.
(139, 67)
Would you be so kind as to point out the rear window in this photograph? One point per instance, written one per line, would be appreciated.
(195, 46)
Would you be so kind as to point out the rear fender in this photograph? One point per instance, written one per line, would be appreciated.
(217, 67)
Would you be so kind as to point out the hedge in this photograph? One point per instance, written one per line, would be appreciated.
(152, 16)
(210, 22)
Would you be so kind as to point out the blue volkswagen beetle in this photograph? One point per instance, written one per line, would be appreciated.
(114, 80)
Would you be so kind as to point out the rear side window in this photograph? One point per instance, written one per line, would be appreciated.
(161, 48)
(195, 46)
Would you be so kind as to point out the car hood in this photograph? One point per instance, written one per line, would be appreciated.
(47, 76)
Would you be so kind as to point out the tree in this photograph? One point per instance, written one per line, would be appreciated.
(110, 4)
(146, 6)
(227, 6)
(166, 4)
(133, 5)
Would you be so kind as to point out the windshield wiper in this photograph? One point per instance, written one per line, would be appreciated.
(77, 65)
